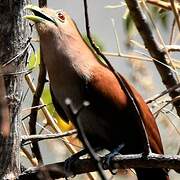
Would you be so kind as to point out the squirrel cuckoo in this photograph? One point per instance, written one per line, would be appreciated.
(76, 73)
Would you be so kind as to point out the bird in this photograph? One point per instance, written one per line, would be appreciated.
(75, 72)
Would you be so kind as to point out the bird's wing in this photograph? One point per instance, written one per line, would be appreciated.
(103, 83)
(147, 118)
(58, 108)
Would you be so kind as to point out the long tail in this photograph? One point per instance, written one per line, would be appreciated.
(153, 135)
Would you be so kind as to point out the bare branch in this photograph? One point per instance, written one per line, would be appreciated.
(173, 48)
(34, 138)
(150, 100)
(29, 156)
(20, 54)
(80, 166)
(176, 12)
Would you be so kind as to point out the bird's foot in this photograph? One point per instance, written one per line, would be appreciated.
(68, 164)
(108, 158)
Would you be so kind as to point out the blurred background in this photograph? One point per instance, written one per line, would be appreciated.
(142, 73)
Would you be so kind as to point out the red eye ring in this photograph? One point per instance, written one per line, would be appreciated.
(61, 16)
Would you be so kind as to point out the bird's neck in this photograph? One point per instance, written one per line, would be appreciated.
(68, 57)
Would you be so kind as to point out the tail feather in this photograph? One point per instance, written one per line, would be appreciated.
(151, 174)
(153, 135)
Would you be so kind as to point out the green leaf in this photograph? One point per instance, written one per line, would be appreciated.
(46, 96)
(34, 60)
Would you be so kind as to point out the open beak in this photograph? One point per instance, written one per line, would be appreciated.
(38, 16)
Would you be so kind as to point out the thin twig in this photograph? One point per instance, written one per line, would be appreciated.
(150, 100)
(146, 58)
(177, 98)
(127, 56)
(172, 32)
(172, 48)
(25, 131)
(176, 12)
(19, 54)
(28, 139)
(64, 139)
(164, 111)
(34, 107)
(29, 156)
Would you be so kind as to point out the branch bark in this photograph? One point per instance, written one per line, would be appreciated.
(13, 41)
(40, 137)
(80, 166)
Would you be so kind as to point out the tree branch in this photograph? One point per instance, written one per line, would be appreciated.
(13, 57)
(34, 138)
(155, 97)
(80, 166)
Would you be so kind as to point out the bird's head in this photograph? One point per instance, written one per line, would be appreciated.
(51, 22)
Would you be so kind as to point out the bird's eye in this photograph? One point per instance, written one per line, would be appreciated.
(61, 17)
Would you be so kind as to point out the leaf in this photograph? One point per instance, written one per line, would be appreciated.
(34, 60)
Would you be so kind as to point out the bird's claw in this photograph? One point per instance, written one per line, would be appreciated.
(108, 158)
(107, 162)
